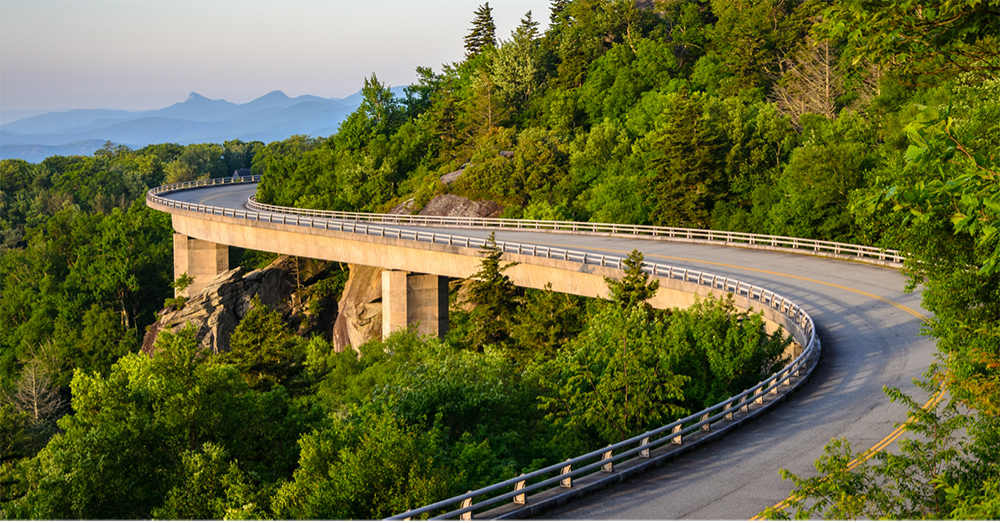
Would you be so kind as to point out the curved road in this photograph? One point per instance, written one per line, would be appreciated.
(869, 329)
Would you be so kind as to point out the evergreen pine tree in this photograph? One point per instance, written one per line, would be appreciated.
(635, 288)
(556, 8)
(686, 162)
(495, 298)
(528, 29)
(264, 350)
(483, 33)
(544, 322)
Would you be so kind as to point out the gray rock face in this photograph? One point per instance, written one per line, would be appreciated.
(218, 309)
(452, 205)
(360, 309)
(403, 208)
(450, 178)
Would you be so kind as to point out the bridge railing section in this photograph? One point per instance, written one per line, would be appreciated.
(676, 233)
(861, 252)
(560, 475)
(194, 184)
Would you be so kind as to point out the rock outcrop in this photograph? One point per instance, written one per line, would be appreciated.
(360, 309)
(451, 177)
(452, 205)
(218, 308)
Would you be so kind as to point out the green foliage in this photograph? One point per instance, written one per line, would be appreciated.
(684, 158)
(264, 351)
(635, 288)
(379, 114)
(820, 176)
(153, 426)
(723, 351)
(495, 299)
(369, 465)
(516, 69)
(86, 282)
(543, 323)
(14, 175)
(751, 37)
(928, 41)
(614, 379)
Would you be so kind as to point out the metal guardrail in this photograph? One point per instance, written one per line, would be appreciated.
(861, 252)
(639, 445)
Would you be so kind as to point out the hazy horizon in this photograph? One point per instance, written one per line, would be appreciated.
(141, 55)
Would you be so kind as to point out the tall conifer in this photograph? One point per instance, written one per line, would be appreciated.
(483, 31)
(556, 8)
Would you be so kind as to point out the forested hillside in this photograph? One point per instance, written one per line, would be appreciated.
(856, 120)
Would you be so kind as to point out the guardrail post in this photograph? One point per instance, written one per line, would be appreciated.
(644, 453)
(466, 503)
(745, 408)
(759, 399)
(705, 426)
(519, 499)
(678, 438)
(729, 415)
(609, 466)
(568, 481)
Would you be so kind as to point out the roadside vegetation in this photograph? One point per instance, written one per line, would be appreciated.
(858, 121)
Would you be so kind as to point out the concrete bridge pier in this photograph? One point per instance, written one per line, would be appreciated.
(200, 259)
(409, 299)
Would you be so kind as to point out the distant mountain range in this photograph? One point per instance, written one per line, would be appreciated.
(274, 116)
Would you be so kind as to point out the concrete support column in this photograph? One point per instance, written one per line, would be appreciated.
(201, 260)
(427, 303)
(394, 309)
(414, 299)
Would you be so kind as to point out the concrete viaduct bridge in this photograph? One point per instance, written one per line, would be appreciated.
(849, 297)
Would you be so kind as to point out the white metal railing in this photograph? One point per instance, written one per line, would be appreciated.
(804, 332)
(861, 252)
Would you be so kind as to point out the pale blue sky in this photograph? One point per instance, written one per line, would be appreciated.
(147, 54)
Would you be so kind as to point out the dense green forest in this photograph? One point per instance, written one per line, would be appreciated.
(857, 120)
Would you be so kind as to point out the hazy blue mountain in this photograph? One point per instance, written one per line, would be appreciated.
(49, 122)
(7, 138)
(37, 153)
(13, 116)
(197, 108)
(274, 116)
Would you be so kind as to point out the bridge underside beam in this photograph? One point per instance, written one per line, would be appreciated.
(200, 259)
(446, 260)
(414, 299)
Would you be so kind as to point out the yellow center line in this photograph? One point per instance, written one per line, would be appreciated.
(869, 453)
(763, 271)
(886, 441)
